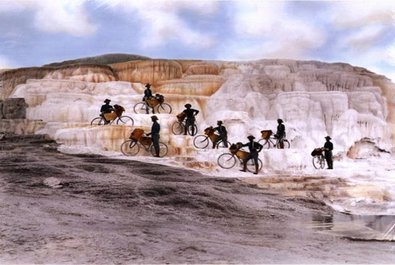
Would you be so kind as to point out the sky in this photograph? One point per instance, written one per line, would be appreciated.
(361, 33)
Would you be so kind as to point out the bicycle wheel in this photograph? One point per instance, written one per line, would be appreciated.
(125, 120)
(194, 131)
(265, 143)
(251, 165)
(226, 160)
(141, 108)
(221, 144)
(98, 121)
(318, 162)
(163, 150)
(164, 108)
(200, 141)
(177, 128)
(130, 148)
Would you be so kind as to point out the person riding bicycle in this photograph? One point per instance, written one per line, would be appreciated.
(106, 108)
(280, 134)
(254, 148)
(147, 96)
(223, 134)
(328, 147)
(155, 129)
(190, 118)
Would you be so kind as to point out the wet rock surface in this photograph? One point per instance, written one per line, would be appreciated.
(121, 211)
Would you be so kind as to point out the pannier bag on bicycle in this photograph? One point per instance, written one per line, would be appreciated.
(145, 140)
(156, 100)
(316, 152)
(181, 116)
(266, 134)
(235, 149)
(136, 134)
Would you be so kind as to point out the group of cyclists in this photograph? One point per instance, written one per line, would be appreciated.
(190, 118)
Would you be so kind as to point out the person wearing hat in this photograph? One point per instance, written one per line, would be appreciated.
(280, 134)
(148, 95)
(106, 108)
(190, 118)
(328, 147)
(223, 133)
(254, 148)
(155, 129)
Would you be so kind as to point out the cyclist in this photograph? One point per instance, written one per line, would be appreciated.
(223, 134)
(147, 96)
(254, 148)
(190, 118)
(106, 108)
(280, 134)
(155, 129)
(328, 147)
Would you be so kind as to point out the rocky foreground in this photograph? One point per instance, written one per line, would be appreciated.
(64, 209)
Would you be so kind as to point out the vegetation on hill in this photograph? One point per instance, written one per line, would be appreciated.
(101, 59)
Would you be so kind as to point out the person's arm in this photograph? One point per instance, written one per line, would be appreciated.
(196, 112)
(259, 146)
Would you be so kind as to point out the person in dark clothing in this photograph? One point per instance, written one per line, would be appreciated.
(328, 147)
(148, 95)
(223, 133)
(155, 129)
(280, 134)
(190, 118)
(147, 92)
(254, 148)
(106, 108)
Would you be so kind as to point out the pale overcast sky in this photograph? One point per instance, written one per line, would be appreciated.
(37, 32)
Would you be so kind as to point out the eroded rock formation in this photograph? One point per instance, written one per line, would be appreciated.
(314, 99)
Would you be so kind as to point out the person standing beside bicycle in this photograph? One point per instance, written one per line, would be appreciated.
(190, 118)
(280, 134)
(254, 148)
(147, 96)
(155, 129)
(106, 108)
(328, 147)
(223, 133)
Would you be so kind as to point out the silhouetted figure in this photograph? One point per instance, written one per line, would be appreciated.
(223, 133)
(190, 118)
(155, 130)
(106, 108)
(254, 148)
(147, 96)
(328, 147)
(280, 134)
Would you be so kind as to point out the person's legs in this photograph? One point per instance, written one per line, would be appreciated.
(245, 161)
(155, 142)
(281, 143)
(225, 140)
(256, 164)
(329, 161)
(192, 128)
(187, 124)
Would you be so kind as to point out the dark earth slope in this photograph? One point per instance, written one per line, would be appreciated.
(120, 211)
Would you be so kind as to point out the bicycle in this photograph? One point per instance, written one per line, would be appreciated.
(156, 104)
(268, 141)
(132, 146)
(115, 116)
(318, 158)
(178, 126)
(202, 141)
(229, 160)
